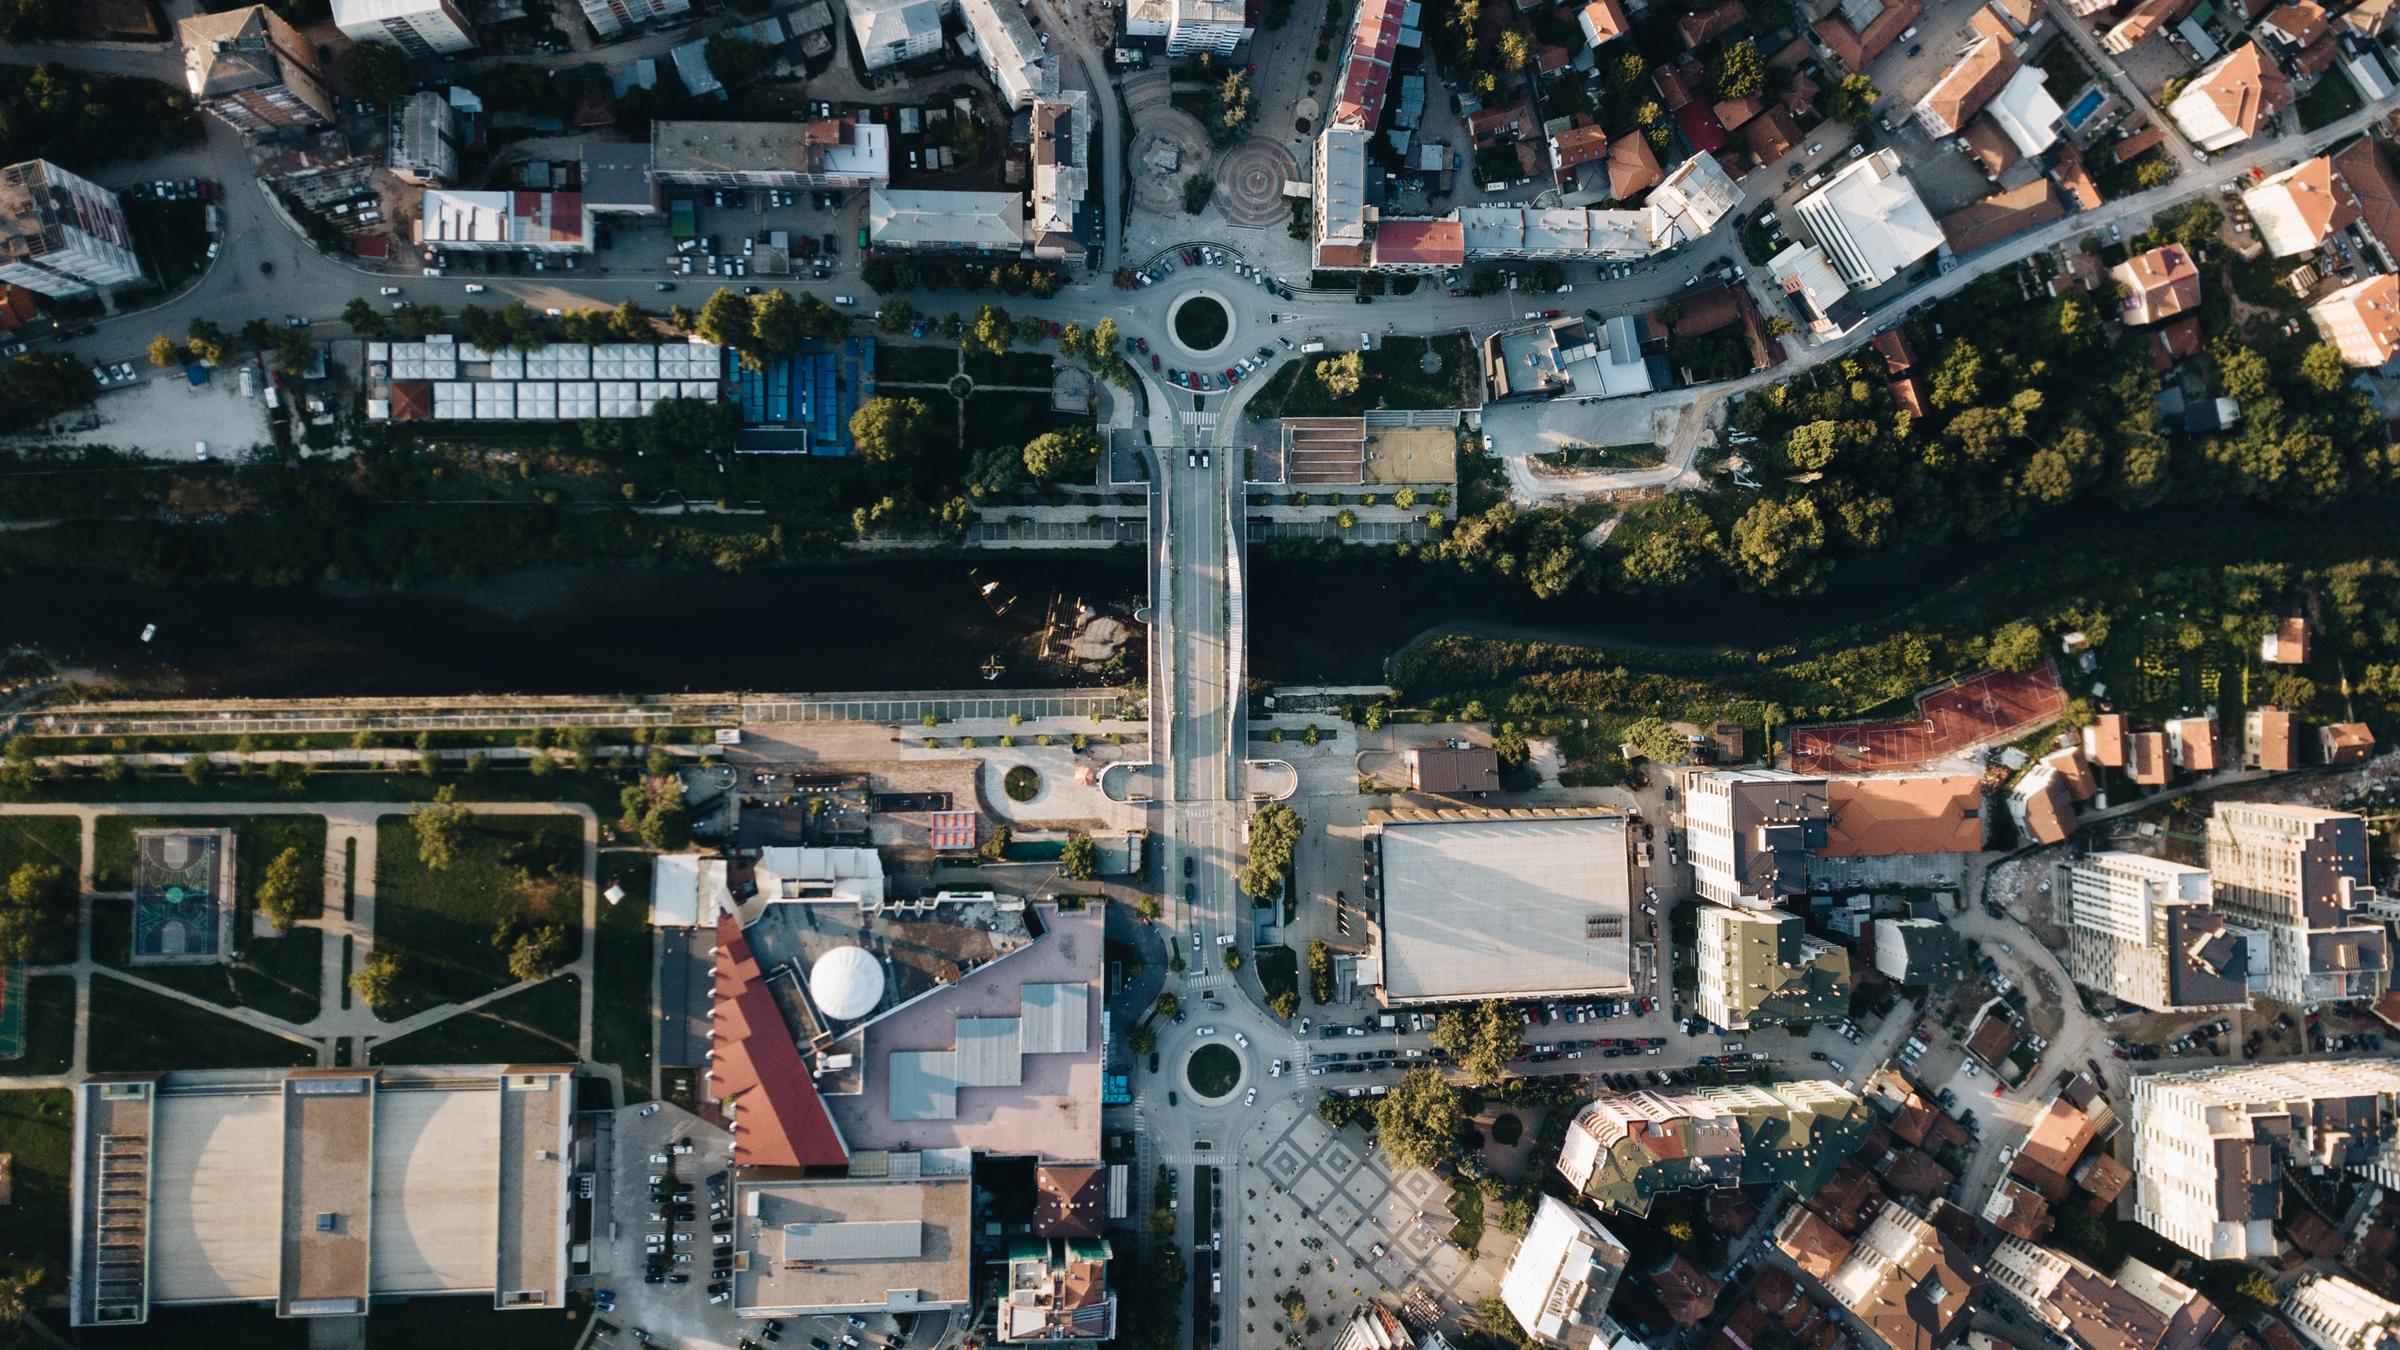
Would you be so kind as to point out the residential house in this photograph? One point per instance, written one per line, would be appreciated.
(2159, 284)
(2232, 100)
(2362, 320)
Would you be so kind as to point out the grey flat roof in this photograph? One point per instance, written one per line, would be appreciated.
(1510, 906)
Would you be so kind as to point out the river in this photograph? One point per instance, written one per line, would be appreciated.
(917, 622)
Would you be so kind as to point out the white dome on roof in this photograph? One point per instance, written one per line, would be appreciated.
(846, 983)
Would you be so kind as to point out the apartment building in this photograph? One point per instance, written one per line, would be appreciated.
(2298, 876)
(1765, 969)
(614, 18)
(1870, 221)
(424, 143)
(2139, 1308)
(1750, 833)
(60, 233)
(1625, 1149)
(1191, 26)
(2145, 931)
(831, 152)
(1562, 1276)
(2210, 1145)
(253, 71)
(421, 28)
(2362, 320)
(2334, 1312)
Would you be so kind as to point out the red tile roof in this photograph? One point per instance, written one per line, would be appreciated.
(1421, 243)
(755, 1067)
(1858, 49)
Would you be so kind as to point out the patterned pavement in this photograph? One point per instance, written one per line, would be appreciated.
(1250, 178)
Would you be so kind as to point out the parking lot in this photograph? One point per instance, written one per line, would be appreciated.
(663, 1152)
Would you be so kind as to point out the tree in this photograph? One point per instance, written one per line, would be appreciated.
(896, 316)
(1342, 375)
(2322, 368)
(363, 318)
(441, 828)
(40, 900)
(1079, 858)
(1812, 445)
(891, 430)
(376, 979)
(737, 60)
(1741, 71)
(1508, 742)
(1141, 1040)
(1776, 543)
(208, 342)
(992, 330)
(1274, 836)
(163, 351)
(728, 319)
(376, 71)
(1515, 50)
(1284, 1003)
(1231, 106)
(44, 384)
(654, 812)
(2015, 646)
(1482, 1037)
(775, 329)
(282, 888)
(1419, 1120)
(1071, 452)
(1853, 100)
(537, 953)
(1168, 1005)
(1197, 189)
(1657, 742)
(2152, 172)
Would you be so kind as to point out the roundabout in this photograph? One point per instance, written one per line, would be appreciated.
(1213, 1072)
(1201, 324)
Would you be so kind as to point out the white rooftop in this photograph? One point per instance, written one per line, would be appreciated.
(1505, 906)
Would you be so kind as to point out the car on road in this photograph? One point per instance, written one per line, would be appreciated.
(1208, 1031)
(1250, 1098)
(1188, 864)
(1154, 360)
(1241, 1040)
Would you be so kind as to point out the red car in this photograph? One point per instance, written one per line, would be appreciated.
(1231, 375)
(1154, 360)
(1054, 329)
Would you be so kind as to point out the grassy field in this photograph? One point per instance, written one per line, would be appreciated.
(1394, 378)
(914, 364)
(440, 924)
(1278, 970)
(37, 1134)
(278, 976)
(532, 1026)
(44, 840)
(596, 790)
(257, 841)
(49, 1028)
(2159, 667)
(136, 1031)
(2333, 99)
(621, 973)
(1031, 368)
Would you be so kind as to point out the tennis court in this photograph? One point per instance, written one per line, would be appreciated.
(182, 895)
(1997, 705)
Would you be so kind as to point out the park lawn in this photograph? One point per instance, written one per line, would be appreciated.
(37, 1134)
(596, 790)
(621, 966)
(1007, 418)
(256, 842)
(910, 363)
(136, 1031)
(1278, 970)
(1393, 378)
(49, 1027)
(44, 841)
(1029, 368)
(440, 924)
(280, 977)
(2333, 98)
(531, 1026)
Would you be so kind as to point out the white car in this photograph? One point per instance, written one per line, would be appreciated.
(475, 288)
(1241, 1040)
(845, 299)
(391, 290)
(1275, 1070)
(554, 312)
(1250, 1098)
(650, 1110)
(1208, 1031)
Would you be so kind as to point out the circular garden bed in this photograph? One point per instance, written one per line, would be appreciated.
(1021, 783)
(1201, 323)
(1212, 1071)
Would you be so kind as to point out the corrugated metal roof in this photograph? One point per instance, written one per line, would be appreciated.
(924, 1085)
(861, 1240)
(988, 1054)
(1057, 1019)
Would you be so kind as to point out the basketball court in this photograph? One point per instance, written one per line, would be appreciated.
(182, 895)
(1953, 718)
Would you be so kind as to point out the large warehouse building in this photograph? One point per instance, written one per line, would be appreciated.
(320, 1191)
(1491, 904)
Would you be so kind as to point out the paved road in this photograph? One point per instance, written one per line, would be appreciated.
(2128, 213)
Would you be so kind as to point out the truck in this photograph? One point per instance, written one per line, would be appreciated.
(1315, 346)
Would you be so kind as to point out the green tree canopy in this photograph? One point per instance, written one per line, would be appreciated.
(1482, 1037)
(282, 889)
(1070, 453)
(1341, 375)
(441, 828)
(892, 430)
(40, 900)
(376, 71)
(1740, 71)
(728, 319)
(1419, 1119)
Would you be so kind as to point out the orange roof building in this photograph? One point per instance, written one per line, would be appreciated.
(2267, 741)
(2159, 284)
(2346, 742)
(2362, 320)
(2148, 764)
(1857, 48)
(1903, 816)
(2104, 741)
(2232, 100)
(1965, 87)
(755, 1074)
